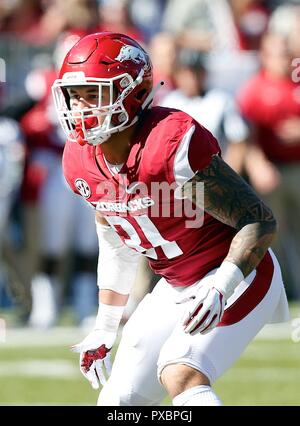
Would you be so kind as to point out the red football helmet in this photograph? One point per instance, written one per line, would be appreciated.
(112, 62)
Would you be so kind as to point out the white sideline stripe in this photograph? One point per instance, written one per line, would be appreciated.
(55, 368)
(67, 370)
(67, 336)
(261, 374)
(57, 336)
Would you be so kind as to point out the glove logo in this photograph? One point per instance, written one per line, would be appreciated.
(92, 355)
(83, 188)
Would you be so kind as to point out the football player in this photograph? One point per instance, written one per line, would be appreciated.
(160, 189)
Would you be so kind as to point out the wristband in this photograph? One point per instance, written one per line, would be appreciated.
(108, 317)
(227, 278)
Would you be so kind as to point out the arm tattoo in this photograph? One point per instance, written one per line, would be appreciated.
(229, 199)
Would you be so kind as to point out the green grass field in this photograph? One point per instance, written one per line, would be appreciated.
(38, 369)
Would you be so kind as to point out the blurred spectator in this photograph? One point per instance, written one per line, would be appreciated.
(270, 101)
(250, 18)
(59, 211)
(285, 20)
(115, 17)
(23, 48)
(147, 16)
(21, 18)
(12, 153)
(162, 50)
(41, 22)
(80, 16)
(225, 30)
(214, 109)
(192, 21)
(217, 24)
(282, 19)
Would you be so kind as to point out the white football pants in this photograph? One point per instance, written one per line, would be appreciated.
(153, 336)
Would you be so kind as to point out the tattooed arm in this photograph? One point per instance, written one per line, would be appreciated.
(229, 199)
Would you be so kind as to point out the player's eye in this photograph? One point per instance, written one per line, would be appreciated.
(76, 98)
(94, 97)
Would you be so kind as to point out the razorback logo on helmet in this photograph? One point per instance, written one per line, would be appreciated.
(83, 188)
(130, 72)
(131, 53)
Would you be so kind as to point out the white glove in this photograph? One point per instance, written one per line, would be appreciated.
(95, 348)
(207, 301)
(205, 310)
(95, 356)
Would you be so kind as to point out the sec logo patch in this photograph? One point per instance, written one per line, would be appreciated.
(83, 188)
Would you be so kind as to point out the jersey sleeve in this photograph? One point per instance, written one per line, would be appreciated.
(190, 153)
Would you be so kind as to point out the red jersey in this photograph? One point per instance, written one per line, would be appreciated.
(142, 202)
(266, 102)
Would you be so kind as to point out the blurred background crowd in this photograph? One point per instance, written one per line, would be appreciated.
(234, 65)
